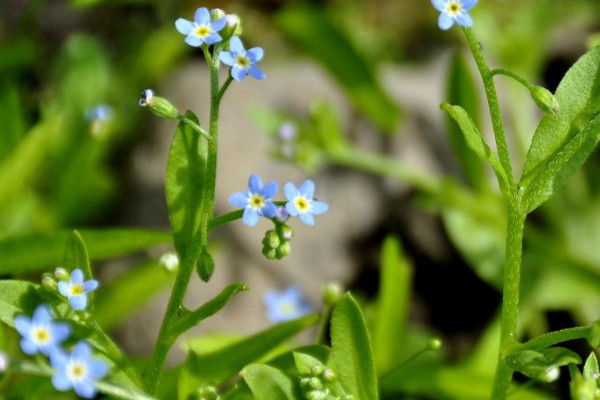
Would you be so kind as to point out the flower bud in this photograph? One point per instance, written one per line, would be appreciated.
(545, 100)
(329, 375)
(285, 232)
(317, 394)
(270, 253)
(315, 383)
(583, 389)
(170, 262)
(158, 105)
(61, 274)
(434, 344)
(232, 27)
(216, 14)
(550, 375)
(271, 239)
(49, 282)
(283, 250)
(4, 362)
(205, 266)
(332, 292)
(317, 370)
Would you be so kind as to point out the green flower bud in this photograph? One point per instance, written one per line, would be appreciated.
(216, 14)
(205, 266)
(170, 262)
(434, 344)
(232, 27)
(545, 100)
(305, 382)
(49, 282)
(317, 370)
(315, 383)
(329, 375)
(317, 394)
(332, 292)
(61, 274)
(285, 232)
(4, 362)
(269, 252)
(583, 389)
(283, 250)
(272, 239)
(158, 105)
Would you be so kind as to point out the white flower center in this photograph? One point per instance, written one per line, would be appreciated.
(257, 201)
(40, 335)
(302, 204)
(76, 371)
(243, 61)
(454, 7)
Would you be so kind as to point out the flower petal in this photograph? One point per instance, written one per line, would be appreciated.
(290, 191)
(58, 359)
(202, 16)
(41, 315)
(239, 199)
(23, 325)
(89, 286)
(64, 288)
(184, 26)
(218, 24)
(445, 21)
(227, 58)
(97, 369)
(439, 5)
(269, 210)
(212, 38)
(193, 40)
(238, 73)
(256, 72)
(78, 302)
(61, 382)
(307, 189)
(270, 189)
(318, 207)
(250, 217)
(464, 19)
(236, 46)
(468, 4)
(291, 209)
(292, 294)
(77, 276)
(28, 347)
(254, 183)
(60, 332)
(307, 218)
(82, 351)
(255, 54)
(85, 389)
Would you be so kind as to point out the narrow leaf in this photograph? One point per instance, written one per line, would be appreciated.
(120, 392)
(268, 383)
(590, 368)
(39, 251)
(17, 297)
(351, 356)
(305, 363)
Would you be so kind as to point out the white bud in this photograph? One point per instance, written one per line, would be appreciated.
(170, 261)
(4, 361)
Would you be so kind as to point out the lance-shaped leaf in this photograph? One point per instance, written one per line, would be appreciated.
(590, 368)
(269, 383)
(17, 297)
(184, 187)
(541, 364)
(579, 98)
(305, 363)
(351, 355)
(475, 141)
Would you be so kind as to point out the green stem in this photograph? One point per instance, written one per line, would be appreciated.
(552, 338)
(512, 75)
(510, 298)
(321, 335)
(493, 104)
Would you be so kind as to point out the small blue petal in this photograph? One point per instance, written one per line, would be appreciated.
(464, 19)
(78, 302)
(23, 325)
(270, 189)
(193, 40)
(61, 382)
(82, 351)
(255, 54)
(269, 210)
(184, 26)
(77, 276)
(290, 191)
(227, 58)
(439, 5)
(292, 293)
(238, 73)
(291, 209)
(256, 72)
(90, 286)
(307, 189)
(97, 369)
(41, 315)
(202, 16)
(318, 207)
(239, 199)
(468, 4)
(307, 218)
(58, 359)
(250, 217)
(85, 389)
(254, 183)
(60, 332)
(445, 21)
(236, 46)
(28, 347)
(64, 288)
(218, 24)
(270, 298)
(212, 38)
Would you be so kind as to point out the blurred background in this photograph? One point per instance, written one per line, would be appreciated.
(351, 100)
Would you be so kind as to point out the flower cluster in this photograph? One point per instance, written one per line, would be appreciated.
(320, 384)
(215, 28)
(42, 334)
(258, 201)
(286, 305)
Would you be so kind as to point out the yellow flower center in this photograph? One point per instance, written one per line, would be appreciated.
(203, 31)
(243, 61)
(286, 308)
(301, 204)
(257, 201)
(76, 290)
(76, 371)
(41, 335)
(453, 7)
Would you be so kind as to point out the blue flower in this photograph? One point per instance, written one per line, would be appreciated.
(454, 11)
(256, 201)
(242, 62)
(41, 333)
(286, 305)
(301, 203)
(76, 289)
(201, 30)
(78, 370)
(102, 112)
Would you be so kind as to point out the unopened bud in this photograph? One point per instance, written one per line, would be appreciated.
(271, 239)
(216, 14)
(270, 253)
(158, 105)
(170, 262)
(329, 375)
(4, 361)
(545, 100)
(317, 370)
(317, 394)
(283, 250)
(551, 374)
(205, 266)
(61, 274)
(49, 282)
(434, 344)
(315, 383)
(232, 27)
(285, 232)
(332, 292)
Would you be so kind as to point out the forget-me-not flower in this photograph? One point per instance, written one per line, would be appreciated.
(242, 62)
(454, 11)
(76, 289)
(286, 305)
(257, 201)
(102, 112)
(201, 30)
(77, 370)
(300, 202)
(41, 333)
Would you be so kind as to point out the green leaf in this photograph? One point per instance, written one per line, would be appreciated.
(392, 305)
(538, 364)
(590, 368)
(12, 114)
(191, 319)
(39, 251)
(475, 141)
(461, 89)
(310, 29)
(562, 141)
(184, 187)
(351, 356)
(305, 363)
(221, 365)
(76, 257)
(128, 292)
(268, 383)
(17, 297)
(121, 392)
(287, 361)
